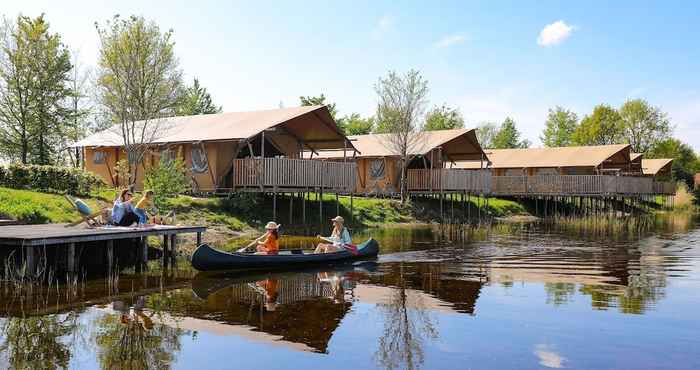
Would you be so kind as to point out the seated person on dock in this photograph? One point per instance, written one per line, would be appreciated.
(271, 244)
(123, 210)
(145, 202)
(340, 237)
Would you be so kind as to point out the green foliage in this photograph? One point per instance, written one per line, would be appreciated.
(559, 128)
(696, 196)
(196, 100)
(644, 125)
(685, 162)
(443, 118)
(603, 127)
(319, 100)
(508, 136)
(356, 125)
(167, 179)
(34, 77)
(35, 207)
(51, 179)
(486, 133)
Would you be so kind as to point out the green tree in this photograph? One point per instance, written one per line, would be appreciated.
(139, 82)
(508, 136)
(685, 162)
(603, 127)
(443, 118)
(354, 124)
(34, 74)
(196, 100)
(319, 100)
(167, 179)
(559, 128)
(644, 125)
(486, 133)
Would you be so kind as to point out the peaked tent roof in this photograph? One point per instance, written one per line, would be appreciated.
(311, 124)
(571, 156)
(652, 167)
(636, 156)
(457, 144)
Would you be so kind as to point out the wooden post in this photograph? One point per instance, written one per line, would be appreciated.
(291, 209)
(320, 206)
(199, 239)
(352, 213)
(166, 251)
(143, 244)
(274, 205)
(71, 262)
(110, 255)
(173, 248)
(337, 204)
(303, 207)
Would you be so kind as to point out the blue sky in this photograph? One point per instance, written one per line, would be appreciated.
(483, 57)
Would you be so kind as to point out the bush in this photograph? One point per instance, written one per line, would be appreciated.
(167, 179)
(241, 203)
(49, 179)
(696, 196)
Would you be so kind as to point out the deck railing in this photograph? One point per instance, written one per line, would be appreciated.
(285, 173)
(579, 185)
(448, 180)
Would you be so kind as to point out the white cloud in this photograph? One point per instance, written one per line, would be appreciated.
(548, 357)
(384, 25)
(554, 34)
(449, 40)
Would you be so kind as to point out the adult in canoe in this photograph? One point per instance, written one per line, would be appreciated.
(340, 237)
(270, 246)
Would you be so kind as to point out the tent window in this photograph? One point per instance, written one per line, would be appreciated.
(376, 168)
(199, 160)
(167, 155)
(99, 157)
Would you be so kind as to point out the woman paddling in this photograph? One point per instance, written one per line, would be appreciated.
(340, 237)
(271, 244)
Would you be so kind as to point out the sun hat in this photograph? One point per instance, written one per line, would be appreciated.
(272, 226)
(338, 219)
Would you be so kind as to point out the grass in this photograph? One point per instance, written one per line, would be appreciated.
(34, 207)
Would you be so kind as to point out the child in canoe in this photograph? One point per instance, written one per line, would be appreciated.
(339, 239)
(271, 244)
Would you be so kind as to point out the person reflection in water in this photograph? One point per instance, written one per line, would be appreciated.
(270, 293)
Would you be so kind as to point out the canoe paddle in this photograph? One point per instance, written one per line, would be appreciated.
(251, 244)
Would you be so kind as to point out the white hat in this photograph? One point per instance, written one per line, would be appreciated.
(272, 226)
(338, 219)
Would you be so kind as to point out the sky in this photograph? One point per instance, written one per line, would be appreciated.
(490, 59)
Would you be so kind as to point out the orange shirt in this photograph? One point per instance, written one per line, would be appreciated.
(271, 245)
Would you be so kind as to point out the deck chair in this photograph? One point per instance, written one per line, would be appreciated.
(92, 219)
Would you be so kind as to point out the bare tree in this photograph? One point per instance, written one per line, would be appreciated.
(400, 109)
(82, 106)
(139, 82)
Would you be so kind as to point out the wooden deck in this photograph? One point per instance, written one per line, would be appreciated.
(51, 234)
(280, 174)
(449, 180)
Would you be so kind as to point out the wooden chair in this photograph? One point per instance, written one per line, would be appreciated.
(87, 215)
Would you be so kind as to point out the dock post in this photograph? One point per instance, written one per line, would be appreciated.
(166, 249)
(173, 249)
(199, 239)
(29, 260)
(71, 265)
(110, 255)
(143, 251)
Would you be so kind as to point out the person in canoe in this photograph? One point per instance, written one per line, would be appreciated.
(339, 239)
(271, 244)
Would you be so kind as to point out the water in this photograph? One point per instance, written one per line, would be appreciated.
(514, 296)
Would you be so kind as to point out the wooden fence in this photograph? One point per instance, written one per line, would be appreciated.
(448, 180)
(579, 185)
(284, 173)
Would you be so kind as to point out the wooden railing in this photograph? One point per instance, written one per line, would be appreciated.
(448, 180)
(284, 173)
(579, 185)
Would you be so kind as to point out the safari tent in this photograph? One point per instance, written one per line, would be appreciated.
(660, 167)
(224, 151)
(378, 164)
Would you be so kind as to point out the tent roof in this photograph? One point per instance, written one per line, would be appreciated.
(653, 166)
(311, 124)
(636, 156)
(573, 156)
(457, 144)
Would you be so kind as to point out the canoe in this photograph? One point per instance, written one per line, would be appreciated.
(206, 258)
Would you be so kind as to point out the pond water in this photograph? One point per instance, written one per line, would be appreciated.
(510, 296)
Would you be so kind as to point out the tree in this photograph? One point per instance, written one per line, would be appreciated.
(354, 124)
(644, 125)
(167, 179)
(196, 100)
(443, 118)
(508, 136)
(318, 100)
(139, 82)
(80, 104)
(559, 128)
(685, 162)
(603, 127)
(33, 91)
(486, 133)
(401, 105)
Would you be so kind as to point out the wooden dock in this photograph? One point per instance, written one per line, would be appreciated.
(32, 238)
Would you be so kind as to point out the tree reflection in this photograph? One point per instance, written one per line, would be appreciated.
(35, 342)
(407, 324)
(131, 341)
(559, 293)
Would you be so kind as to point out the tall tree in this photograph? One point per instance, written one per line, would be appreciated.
(685, 161)
(139, 82)
(559, 128)
(196, 100)
(603, 127)
(354, 124)
(644, 125)
(34, 88)
(443, 118)
(400, 109)
(81, 105)
(486, 133)
(318, 100)
(508, 136)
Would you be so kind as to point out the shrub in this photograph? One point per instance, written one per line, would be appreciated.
(241, 203)
(696, 196)
(167, 179)
(49, 179)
